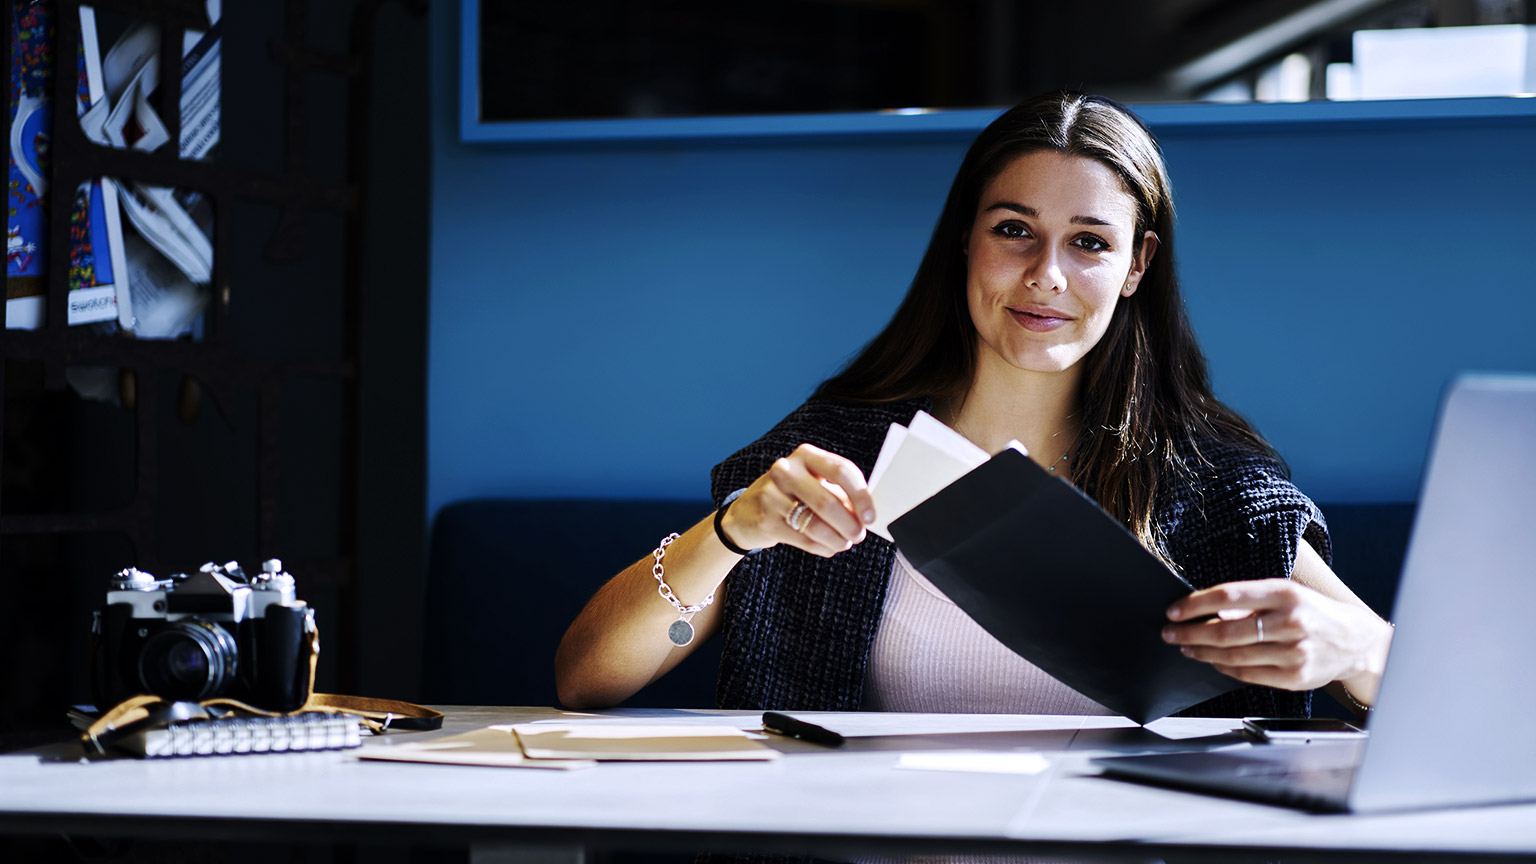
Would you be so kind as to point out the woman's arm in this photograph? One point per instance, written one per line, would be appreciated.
(1315, 631)
(618, 644)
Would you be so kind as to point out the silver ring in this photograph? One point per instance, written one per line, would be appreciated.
(1259, 620)
(793, 517)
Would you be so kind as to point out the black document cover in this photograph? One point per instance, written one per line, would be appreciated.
(1051, 575)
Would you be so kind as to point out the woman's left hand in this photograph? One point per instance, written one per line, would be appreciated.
(1279, 633)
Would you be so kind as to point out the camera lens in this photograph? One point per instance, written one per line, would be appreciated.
(186, 664)
(189, 659)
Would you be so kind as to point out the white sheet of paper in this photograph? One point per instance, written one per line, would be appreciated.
(893, 438)
(927, 457)
(980, 761)
(654, 742)
(869, 724)
(628, 732)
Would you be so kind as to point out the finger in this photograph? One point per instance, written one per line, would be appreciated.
(1264, 654)
(822, 540)
(847, 476)
(1282, 677)
(1217, 632)
(813, 535)
(1278, 627)
(795, 478)
(1258, 594)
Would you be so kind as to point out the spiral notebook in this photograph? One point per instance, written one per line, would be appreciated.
(232, 736)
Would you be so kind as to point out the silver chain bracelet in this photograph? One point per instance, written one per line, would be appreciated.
(681, 631)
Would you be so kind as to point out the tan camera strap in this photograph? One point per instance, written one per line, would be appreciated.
(379, 715)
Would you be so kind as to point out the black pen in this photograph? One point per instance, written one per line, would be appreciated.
(783, 724)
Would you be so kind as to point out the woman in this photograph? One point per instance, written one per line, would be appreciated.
(1046, 309)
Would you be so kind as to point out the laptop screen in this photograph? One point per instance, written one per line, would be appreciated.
(1451, 720)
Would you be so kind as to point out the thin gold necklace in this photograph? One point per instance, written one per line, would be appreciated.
(954, 423)
(1063, 458)
(1070, 447)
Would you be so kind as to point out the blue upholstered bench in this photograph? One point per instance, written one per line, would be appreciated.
(507, 576)
(1368, 545)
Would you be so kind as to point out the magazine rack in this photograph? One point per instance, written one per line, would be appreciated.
(222, 369)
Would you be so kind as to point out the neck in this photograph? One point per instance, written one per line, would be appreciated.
(1039, 409)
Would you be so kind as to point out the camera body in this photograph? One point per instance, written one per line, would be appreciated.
(204, 635)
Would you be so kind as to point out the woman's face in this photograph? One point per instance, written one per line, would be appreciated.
(1049, 255)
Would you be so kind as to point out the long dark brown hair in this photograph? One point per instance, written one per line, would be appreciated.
(1144, 386)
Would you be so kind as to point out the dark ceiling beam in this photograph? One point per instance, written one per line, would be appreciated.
(1287, 32)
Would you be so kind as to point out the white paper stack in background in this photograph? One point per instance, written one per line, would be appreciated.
(1416, 63)
(917, 461)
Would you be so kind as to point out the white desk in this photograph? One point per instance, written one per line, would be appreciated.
(831, 802)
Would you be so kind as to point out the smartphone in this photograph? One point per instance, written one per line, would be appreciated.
(1300, 729)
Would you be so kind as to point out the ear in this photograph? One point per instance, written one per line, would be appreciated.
(1140, 265)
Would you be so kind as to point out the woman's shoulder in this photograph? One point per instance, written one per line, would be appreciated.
(1234, 500)
(833, 420)
(1230, 466)
(854, 430)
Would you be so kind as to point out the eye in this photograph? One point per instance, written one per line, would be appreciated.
(1091, 243)
(1010, 229)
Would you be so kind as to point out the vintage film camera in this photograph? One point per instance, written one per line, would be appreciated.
(197, 636)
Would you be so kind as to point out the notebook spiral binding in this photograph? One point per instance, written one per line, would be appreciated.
(312, 730)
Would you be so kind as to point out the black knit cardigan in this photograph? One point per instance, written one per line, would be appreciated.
(798, 628)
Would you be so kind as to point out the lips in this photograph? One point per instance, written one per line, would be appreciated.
(1038, 318)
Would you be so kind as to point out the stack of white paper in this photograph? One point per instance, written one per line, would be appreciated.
(917, 461)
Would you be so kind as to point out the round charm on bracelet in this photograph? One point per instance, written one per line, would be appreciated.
(681, 632)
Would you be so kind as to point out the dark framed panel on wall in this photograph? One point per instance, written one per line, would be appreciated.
(617, 70)
(537, 71)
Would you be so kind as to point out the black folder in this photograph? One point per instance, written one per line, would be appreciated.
(1059, 581)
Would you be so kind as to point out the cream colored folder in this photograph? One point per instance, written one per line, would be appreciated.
(640, 743)
(578, 745)
(494, 747)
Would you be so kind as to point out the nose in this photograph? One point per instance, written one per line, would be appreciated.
(1043, 270)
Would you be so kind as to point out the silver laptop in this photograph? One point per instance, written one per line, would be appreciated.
(1455, 722)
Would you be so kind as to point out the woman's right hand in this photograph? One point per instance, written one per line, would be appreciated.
(619, 643)
(831, 486)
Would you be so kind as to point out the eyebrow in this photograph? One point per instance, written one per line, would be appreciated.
(1031, 212)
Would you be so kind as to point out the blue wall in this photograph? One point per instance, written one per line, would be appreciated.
(612, 319)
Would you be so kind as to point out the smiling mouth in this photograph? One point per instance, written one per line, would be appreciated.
(1037, 321)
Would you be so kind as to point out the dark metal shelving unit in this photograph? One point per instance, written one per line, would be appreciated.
(216, 363)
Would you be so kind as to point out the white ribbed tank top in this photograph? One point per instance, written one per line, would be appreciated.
(930, 657)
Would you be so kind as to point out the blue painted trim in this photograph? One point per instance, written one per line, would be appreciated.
(469, 69)
(752, 127)
(1190, 117)
(1352, 111)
